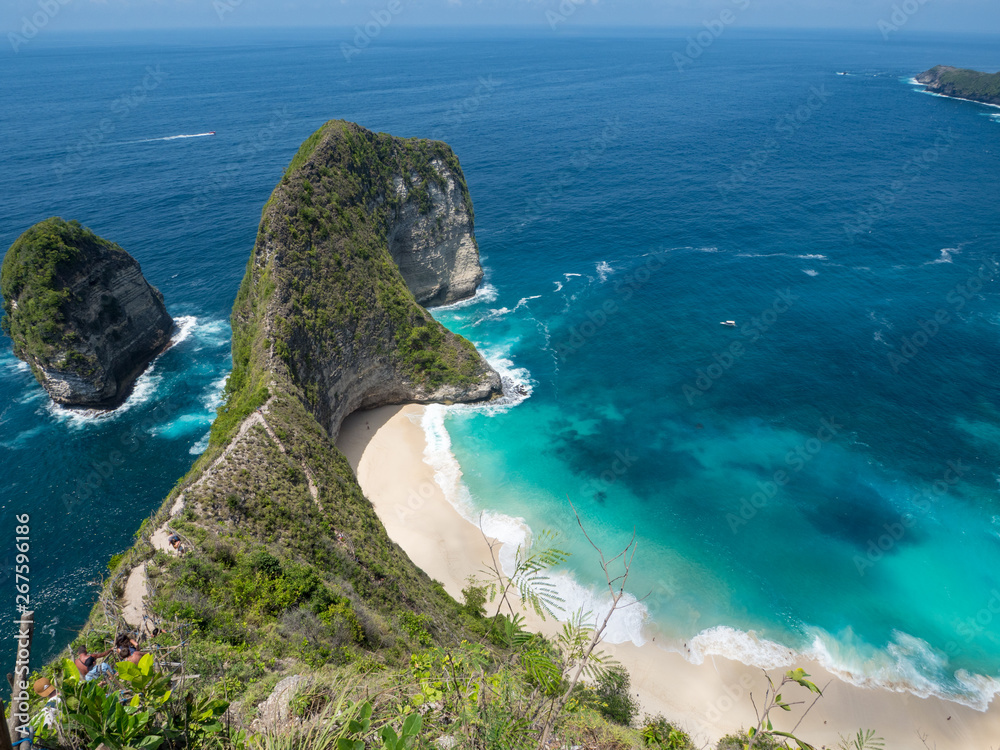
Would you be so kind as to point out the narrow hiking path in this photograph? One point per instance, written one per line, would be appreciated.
(136, 588)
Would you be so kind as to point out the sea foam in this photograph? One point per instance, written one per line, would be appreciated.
(485, 293)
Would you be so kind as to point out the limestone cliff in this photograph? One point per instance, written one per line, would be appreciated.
(290, 562)
(431, 236)
(80, 313)
(962, 84)
(362, 227)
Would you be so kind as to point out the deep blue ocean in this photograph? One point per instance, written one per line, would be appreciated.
(822, 476)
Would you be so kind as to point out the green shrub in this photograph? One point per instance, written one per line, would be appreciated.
(657, 732)
(616, 702)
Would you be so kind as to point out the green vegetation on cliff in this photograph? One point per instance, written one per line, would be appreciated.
(288, 572)
(330, 215)
(80, 313)
(288, 569)
(963, 83)
(30, 273)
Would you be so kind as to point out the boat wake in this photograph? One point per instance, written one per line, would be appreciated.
(169, 138)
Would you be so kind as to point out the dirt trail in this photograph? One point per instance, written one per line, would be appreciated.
(135, 588)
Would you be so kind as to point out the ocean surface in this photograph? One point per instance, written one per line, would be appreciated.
(820, 478)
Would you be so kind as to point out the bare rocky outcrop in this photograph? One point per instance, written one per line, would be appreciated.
(81, 313)
(436, 250)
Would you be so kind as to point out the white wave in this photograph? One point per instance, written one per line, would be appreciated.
(184, 327)
(33, 394)
(201, 446)
(810, 272)
(569, 276)
(526, 300)
(806, 256)
(627, 622)
(212, 400)
(604, 270)
(142, 391)
(960, 98)
(746, 648)
(945, 256)
(493, 314)
(486, 293)
(625, 625)
(907, 665)
(13, 364)
(914, 82)
(559, 285)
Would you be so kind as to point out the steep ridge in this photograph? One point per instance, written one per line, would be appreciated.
(286, 557)
(324, 303)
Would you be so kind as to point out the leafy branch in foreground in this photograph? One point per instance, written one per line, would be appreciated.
(864, 740)
(581, 651)
(534, 588)
(773, 700)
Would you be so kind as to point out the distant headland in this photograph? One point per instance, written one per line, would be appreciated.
(961, 83)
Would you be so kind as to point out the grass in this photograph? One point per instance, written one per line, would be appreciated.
(968, 84)
(32, 274)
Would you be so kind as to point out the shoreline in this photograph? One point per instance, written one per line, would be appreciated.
(385, 447)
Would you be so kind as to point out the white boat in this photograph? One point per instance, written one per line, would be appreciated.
(730, 323)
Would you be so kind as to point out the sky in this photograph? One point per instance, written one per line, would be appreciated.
(564, 16)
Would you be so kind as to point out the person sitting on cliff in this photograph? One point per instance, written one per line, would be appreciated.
(128, 648)
(87, 664)
(175, 542)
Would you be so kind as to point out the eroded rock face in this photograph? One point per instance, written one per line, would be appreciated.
(436, 250)
(81, 313)
(362, 229)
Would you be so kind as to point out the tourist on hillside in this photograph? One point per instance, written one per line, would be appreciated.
(88, 666)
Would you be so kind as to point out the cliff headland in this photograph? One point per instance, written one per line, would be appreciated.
(961, 83)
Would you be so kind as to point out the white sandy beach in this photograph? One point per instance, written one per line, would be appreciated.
(385, 447)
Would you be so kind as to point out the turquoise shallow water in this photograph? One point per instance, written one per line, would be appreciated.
(824, 474)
